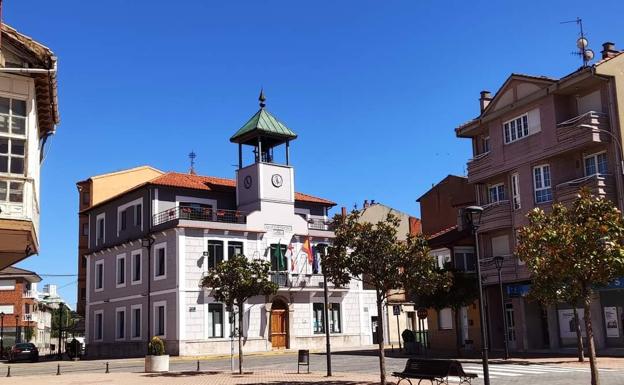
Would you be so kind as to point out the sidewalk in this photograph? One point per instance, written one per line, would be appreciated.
(198, 378)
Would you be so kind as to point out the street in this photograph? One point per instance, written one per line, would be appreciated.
(553, 371)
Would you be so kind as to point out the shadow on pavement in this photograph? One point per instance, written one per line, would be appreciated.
(324, 382)
(181, 374)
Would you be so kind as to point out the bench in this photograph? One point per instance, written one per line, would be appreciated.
(434, 371)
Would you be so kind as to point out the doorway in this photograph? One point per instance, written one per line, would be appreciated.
(279, 324)
(511, 325)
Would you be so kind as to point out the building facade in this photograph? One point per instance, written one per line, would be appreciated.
(536, 142)
(149, 247)
(28, 117)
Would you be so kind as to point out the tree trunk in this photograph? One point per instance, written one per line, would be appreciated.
(590, 336)
(240, 339)
(380, 338)
(579, 336)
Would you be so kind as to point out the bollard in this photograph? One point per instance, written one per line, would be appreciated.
(197, 366)
(107, 368)
(58, 369)
(9, 371)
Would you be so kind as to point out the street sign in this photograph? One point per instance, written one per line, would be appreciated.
(422, 313)
(396, 309)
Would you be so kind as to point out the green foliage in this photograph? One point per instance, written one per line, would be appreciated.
(462, 291)
(156, 347)
(408, 336)
(69, 319)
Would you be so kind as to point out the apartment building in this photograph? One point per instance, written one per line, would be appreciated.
(453, 246)
(93, 191)
(537, 141)
(28, 117)
(149, 247)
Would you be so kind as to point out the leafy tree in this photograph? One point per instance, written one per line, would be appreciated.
(579, 247)
(373, 254)
(462, 292)
(236, 280)
(68, 320)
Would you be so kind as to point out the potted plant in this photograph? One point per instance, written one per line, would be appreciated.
(156, 359)
(409, 341)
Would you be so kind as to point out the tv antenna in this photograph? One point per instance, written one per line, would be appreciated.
(582, 43)
(192, 155)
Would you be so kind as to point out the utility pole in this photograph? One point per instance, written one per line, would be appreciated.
(326, 320)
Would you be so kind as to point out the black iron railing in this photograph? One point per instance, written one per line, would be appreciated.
(204, 214)
(280, 278)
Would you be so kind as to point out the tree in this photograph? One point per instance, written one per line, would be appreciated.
(373, 254)
(462, 292)
(236, 280)
(579, 247)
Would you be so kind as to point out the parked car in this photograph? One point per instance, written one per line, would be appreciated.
(24, 351)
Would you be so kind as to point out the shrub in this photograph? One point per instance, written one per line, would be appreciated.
(156, 347)
(408, 336)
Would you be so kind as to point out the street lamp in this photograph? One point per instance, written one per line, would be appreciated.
(147, 242)
(472, 215)
(60, 330)
(17, 331)
(1, 334)
(326, 316)
(498, 262)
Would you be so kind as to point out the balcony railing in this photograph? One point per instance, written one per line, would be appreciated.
(320, 224)
(295, 280)
(496, 215)
(591, 126)
(29, 294)
(280, 278)
(32, 317)
(600, 185)
(512, 270)
(479, 163)
(199, 214)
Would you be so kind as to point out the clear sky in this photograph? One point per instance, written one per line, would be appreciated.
(373, 88)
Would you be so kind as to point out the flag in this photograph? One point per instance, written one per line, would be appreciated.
(307, 248)
(281, 266)
(291, 255)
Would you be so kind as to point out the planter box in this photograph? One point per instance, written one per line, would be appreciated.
(154, 364)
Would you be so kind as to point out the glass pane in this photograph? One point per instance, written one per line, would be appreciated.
(4, 146)
(16, 192)
(19, 108)
(3, 190)
(460, 263)
(546, 171)
(18, 147)
(4, 164)
(4, 106)
(4, 123)
(17, 165)
(590, 166)
(602, 163)
(18, 126)
(525, 124)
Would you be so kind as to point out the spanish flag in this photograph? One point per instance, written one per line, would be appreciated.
(307, 248)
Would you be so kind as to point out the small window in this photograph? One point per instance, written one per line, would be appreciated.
(7, 309)
(543, 190)
(596, 164)
(215, 253)
(99, 275)
(215, 320)
(85, 229)
(100, 229)
(161, 262)
(496, 193)
(160, 327)
(12, 192)
(486, 144)
(318, 318)
(334, 318)
(99, 326)
(445, 318)
(515, 191)
(121, 270)
(12, 156)
(136, 321)
(465, 259)
(120, 330)
(136, 266)
(124, 220)
(235, 248)
(138, 215)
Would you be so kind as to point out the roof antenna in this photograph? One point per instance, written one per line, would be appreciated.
(583, 52)
(262, 98)
(192, 157)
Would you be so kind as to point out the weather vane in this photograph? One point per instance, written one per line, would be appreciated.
(583, 52)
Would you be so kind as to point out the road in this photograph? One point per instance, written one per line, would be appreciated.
(512, 372)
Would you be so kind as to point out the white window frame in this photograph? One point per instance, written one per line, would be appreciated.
(162, 245)
(134, 253)
(442, 252)
(511, 131)
(594, 157)
(101, 216)
(486, 140)
(95, 280)
(10, 136)
(125, 206)
(7, 284)
(541, 167)
(223, 321)
(6, 307)
(515, 191)
(133, 322)
(155, 307)
(447, 325)
(95, 325)
(125, 278)
(498, 192)
(463, 250)
(330, 318)
(125, 326)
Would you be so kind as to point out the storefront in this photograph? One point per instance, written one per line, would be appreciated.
(612, 304)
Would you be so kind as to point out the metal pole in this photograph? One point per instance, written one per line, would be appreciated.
(399, 333)
(326, 325)
(60, 331)
(506, 336)
(1, 335)
(484, 344)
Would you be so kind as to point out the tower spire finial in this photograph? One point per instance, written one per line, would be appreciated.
(192, 157)
(262, 98)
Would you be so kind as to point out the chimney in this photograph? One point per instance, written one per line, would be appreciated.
(485, 99)
(365, 203)
(372, 202)
(344, 212)
(608, 50)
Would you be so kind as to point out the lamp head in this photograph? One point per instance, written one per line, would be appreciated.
(498, 261)
(473, 216)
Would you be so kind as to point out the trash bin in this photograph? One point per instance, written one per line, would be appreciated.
(303, 358)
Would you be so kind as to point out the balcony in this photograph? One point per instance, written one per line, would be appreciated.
(590, 127)
(495, 216)
(512, 270)
(479, 164)
(599, 185)
(199, 214)
(29, 294)
(320, 224)
(30, 317)
(296, 281)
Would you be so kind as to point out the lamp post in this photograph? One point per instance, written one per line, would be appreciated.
(1, 334)
(326, 319)
(473, 218)
(147, 242)
(498, 262)
(59, 353)
(17, 331)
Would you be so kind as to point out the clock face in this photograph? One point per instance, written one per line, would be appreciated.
(247, 182)
(277, 181)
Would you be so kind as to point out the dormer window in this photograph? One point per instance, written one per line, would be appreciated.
(516, 128)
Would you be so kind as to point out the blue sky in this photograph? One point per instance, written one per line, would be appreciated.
(374, 89)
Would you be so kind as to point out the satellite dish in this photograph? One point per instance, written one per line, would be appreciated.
(588, 54)
(582, 43)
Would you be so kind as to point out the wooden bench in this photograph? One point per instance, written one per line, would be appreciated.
(434, 371)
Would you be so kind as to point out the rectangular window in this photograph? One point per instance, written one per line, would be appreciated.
(465, 259)
(235, 248)
(85, 198)
(496, 193)
(278, 257)
(543, 190)
(596, 164)
(516, 128)
(136, 266)
(486, 144)
(515, 191)
(7, 284)
(124, 220)
(7, 309)
(215, 320)
(215, 253)
(318, 318)
(445, 320)
(85, 230)
(136, 321)
(120, 329)
(159, 320)
(99, 325)
(12, 136)
(334, 318)
(100, 229)
(160, 262)
(12, 192)
(12, 156)
(99, 275)
(138, 215)
(121, 270)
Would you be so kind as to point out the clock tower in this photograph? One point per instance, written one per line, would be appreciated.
(264, 184)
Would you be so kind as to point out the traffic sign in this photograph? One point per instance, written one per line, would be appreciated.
(396, 309)
(422, 313)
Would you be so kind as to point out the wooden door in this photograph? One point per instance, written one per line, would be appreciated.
(279, 331)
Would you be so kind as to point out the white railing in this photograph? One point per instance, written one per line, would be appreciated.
(32, 317)
(576, 119)
(479, 157)
(495, 204)
(580, 181)
(27, 208)
(29, 294)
